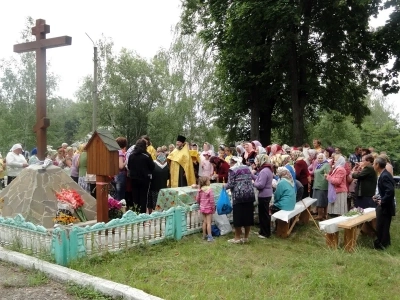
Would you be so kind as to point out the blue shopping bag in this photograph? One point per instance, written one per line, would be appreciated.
(224, 204)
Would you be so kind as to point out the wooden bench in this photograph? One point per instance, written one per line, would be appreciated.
(285, 220)
(366, 223)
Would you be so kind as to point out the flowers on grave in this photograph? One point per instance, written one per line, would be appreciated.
(114, 209)
(356, 211)
(69, 201)
(64, 219)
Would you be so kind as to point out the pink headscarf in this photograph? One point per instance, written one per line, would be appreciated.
(256, 144)
(276, 149)
(250, 149)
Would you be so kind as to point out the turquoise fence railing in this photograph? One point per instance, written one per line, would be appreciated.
(66, 243)
(25, 236)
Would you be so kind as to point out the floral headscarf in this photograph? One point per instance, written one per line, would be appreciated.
(161, 158)
(284, 173)
(297, 155)
(262, 159)
(285, 160)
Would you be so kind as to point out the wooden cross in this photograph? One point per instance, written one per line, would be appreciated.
(40, 46)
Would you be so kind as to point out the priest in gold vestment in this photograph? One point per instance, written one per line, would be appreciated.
(181, 165)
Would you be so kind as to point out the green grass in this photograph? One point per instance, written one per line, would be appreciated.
(300, 267)
(37, 278)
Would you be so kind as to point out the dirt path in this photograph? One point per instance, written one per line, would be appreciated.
(20, 284)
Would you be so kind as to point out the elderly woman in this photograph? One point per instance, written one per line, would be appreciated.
(263, 183)
(301, 169)
(221, 169)
(242, 191)
(366, 182)
(239, 150)
(284, 196)
(320, 186)
(337, 177)
(15, 162)
(249, 155)
(159, 180)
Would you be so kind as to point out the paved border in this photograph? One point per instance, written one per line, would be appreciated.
(61, 273)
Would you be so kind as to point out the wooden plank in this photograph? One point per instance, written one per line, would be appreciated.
(45, 43)
(358, 220)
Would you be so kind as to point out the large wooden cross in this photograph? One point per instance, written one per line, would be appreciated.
(40, 46)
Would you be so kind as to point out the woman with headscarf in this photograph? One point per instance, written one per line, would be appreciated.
(15, 162)
(159, 179)
(263, 183)
(242, 191)
(260, 150)
(284, 196)
(320, 186)
(312, 163)
(249, 155)
(301, 170)
(239, 150)
(33, 159)
(276, 149)
(337, 177)
(221, 169)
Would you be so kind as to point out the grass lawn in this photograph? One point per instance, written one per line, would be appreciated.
(300, 267)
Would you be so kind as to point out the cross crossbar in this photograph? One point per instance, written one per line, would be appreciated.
(45, 43)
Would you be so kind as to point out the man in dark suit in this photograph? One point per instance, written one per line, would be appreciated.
(385, 201)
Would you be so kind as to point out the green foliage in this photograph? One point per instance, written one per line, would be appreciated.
(379, 130)
(286, 60)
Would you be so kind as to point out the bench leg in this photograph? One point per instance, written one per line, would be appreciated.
(350, 239)
(369, 228)
(332, 240)
(304, 217)
(282, 229)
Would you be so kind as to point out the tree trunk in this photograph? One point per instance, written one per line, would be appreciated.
(266, 123)
(255, 115)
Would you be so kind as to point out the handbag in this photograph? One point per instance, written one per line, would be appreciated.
(224, 204)
(331, 193)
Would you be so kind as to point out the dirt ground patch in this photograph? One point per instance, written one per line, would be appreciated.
(17, 283)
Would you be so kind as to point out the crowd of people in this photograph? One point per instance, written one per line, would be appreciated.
(278, 176)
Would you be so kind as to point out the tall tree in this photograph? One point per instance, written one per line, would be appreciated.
(293, 57)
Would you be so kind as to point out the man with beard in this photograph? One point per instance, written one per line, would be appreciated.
(181, 164)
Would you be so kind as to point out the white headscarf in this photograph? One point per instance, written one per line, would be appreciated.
(261, 150)
(238, 161)
(340, 162)
(15, 147)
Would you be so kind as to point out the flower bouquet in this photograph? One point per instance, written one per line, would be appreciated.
(356, 211)
(64, 219)
(114, 209)
(69, 200)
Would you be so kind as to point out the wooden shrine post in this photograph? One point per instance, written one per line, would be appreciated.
(40, 46)
(102, 160)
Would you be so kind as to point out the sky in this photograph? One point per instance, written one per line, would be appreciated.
(144, 26)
